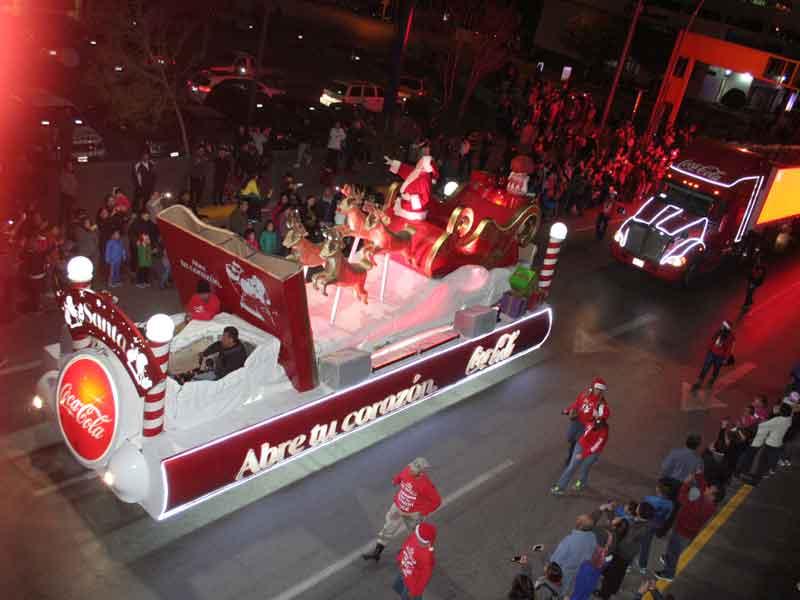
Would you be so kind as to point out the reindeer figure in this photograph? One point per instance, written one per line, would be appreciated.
(338, 270)
(350, 207)
(382, 240)
(303, 251)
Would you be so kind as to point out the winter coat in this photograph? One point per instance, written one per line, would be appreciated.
(693, 514)
(680, 463)
(416, 494)
(115, 252)
(144, 255)
(571, 552)
(588, 406)
(269, 242)
(86, 243)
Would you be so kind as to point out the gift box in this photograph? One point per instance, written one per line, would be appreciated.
(523, 281)
(512, 305)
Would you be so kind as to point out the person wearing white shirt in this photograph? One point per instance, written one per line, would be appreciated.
(769, 436)
(336, 139)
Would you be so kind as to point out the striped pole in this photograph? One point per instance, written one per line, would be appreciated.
(558, 232)
(159, 332)
(80, 271)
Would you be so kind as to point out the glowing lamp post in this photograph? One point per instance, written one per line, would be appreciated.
(558, 233)
(80, 271)
(159, 332)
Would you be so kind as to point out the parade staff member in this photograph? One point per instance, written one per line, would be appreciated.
(416, 560)
(230, 352)
(416, 498)
(590, 404)
(415, 191)
(586, 453)
(720, 352)
(203, 305)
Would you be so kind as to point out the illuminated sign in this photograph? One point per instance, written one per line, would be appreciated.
(695, 168)
(783, 198)
(199, 473)
(87, 408)
(87, 312)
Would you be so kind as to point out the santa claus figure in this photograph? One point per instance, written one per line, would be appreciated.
(521, 168)
(415, 191)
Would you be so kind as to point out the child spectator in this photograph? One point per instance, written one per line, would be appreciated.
(144, 260)
(269, 239)
(250, 238)
(115, 255)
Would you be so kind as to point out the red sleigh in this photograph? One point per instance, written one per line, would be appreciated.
(480, 224)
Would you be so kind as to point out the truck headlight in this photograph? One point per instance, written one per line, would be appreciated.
(676, 261)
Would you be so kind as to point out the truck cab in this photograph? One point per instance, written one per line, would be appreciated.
(710, 199)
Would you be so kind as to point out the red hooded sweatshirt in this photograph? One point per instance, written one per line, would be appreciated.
(593, 440)
(203, 310)
(416, 561)
(694, 513)
(590, 406)
(416, 493)
(722, 347)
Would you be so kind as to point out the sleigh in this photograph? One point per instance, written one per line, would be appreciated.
(479, 224)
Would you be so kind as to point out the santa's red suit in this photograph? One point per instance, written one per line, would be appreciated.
(203, 310)
(416, 493)
(415, 191)
(416, 559)
(590, 404)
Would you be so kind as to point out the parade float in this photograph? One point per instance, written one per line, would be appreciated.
(429, 296)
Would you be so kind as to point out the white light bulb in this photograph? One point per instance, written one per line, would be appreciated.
(80, 269)
(450, 188)
(558, 231)
(160, 328)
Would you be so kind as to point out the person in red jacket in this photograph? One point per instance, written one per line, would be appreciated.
(697, 500)
(203, 305)
(720, 351)
(416, 561)
(415, 499)
(586, 453)
(590, 404)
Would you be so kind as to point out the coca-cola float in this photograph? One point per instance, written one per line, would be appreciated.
(320, 364)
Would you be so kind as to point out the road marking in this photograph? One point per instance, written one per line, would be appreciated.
(585, 342)
(344, 562)
(20, 368)
(708, 532)
(761, 305)
(45, 491)
(705, 399)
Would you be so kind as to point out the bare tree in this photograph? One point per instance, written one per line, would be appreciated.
(143, 58)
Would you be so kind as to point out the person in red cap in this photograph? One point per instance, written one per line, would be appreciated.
(415, 499)
(415, 191)
(720, 352)
(416, 561)
(586, 453)
(590, 404)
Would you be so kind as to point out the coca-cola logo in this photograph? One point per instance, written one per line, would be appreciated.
(707, 171)
(87, 408)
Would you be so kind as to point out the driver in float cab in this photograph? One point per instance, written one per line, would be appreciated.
(204, 305)
(220, 358)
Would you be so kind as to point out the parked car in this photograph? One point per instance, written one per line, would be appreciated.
(53, 111)
(200, 86)
(411, 87)
(361, 93)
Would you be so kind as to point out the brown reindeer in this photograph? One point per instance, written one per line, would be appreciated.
(338, 270)
(382, 240)
(350, 207)
(304, 251)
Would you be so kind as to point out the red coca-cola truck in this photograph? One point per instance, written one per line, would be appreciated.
(715, 199)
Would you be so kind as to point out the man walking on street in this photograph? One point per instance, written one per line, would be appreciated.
(336, 139)
(416, 498)
(698, 503)
(144, 180)
(720, 352)
(754, 280)
(585, 454)
(416, 560)
(589, 405)
(68, 184)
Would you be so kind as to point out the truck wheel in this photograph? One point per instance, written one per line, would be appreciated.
(689, 278)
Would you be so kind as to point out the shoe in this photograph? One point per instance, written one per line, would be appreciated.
(578, 485)
(556, 491)
(661, 576)
(662, 560)
(375, 554)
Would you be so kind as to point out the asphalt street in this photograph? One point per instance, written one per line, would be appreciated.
(495, 452)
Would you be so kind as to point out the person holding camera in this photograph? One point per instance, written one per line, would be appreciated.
(415, 499)
(590, 404)
(230, 355)
(698, 502)
(720, 352)
(545, 587)
(578, 546)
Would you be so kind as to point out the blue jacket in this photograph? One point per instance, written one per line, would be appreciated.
(115, 251)
(663, 509)
(571, 553)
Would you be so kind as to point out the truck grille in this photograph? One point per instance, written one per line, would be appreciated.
(645, 242)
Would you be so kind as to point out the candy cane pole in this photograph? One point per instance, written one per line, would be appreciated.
(558, 233)
(159, 332)
(79, 272)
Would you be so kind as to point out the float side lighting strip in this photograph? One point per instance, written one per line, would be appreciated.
(178, 509)
(749, 211)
